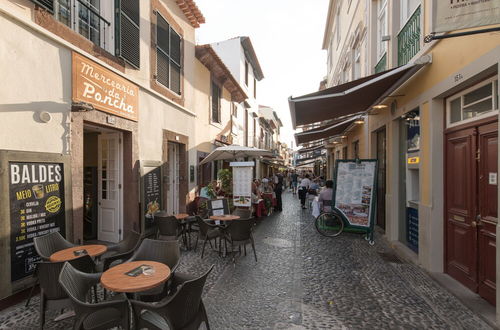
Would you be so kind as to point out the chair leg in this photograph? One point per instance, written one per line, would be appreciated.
(196, 243)
(203, 249)
(245, 249)
(253, 247)
(42, 310)
(31, 295)
(210, 242)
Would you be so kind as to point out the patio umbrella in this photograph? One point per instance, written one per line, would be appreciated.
(233, 152)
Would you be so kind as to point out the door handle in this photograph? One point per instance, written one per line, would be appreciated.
(473, 224)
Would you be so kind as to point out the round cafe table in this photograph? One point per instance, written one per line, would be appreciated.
(68, 254)
(181, 216)
(115, 279)
(224, 217)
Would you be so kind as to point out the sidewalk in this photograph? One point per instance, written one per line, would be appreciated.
(306, 281)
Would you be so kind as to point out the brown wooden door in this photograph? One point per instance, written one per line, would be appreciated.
(381, 158)
(471, 207)
(487, 216)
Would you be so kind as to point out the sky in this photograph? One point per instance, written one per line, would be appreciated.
(287, 36)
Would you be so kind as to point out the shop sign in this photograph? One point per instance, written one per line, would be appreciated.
(413, 160)
(36, 198)
(450, 15)
(105, 90)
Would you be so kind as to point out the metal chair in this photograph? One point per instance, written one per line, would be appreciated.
(102, 315)
(239, 233)
(169, 227)
(182, 310)
(244, 214)
(121, 251)
(207, 232)
(46, 245)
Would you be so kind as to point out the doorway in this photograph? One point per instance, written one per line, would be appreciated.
(173, 162)
(103, 179)
(471, 207)
(381, 176)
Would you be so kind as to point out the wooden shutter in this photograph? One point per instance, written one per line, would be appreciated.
(175, 61)
(215, 103)
(47, 4)
(127, 31)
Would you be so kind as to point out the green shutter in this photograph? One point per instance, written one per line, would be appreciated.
(127, 31)
(47, 4)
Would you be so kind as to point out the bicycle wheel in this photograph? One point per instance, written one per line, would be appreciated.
(329, 224)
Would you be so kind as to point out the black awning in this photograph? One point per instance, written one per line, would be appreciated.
(309, 149)
(350, 98)
(324, 132)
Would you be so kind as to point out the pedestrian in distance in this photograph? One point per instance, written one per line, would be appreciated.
(304, 186)
(278, 190)
(295, 180)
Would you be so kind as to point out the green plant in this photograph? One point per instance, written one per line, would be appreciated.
(211, 191)
(226, 178)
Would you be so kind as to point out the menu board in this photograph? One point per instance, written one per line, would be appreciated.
(151, 195)
(242, 186)
(36, 199)
(354, 191)
(218, 207)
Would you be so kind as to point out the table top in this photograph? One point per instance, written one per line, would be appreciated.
(224, 217)
(115, 279)
(67, 254)
(181, 216)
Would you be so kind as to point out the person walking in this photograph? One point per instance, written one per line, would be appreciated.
(295, 178)
(305, 183)
(278, 190)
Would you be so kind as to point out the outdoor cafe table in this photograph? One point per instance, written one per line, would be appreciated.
(181, 216)
(115, 279)
(224, 217)
(68, 254)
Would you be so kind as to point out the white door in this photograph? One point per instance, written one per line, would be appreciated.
(173, 179)
(109, 190)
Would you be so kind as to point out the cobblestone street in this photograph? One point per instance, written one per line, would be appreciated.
(305, 281)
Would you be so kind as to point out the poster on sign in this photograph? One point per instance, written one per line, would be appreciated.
(151, 191)
(355, 191)
(242, 183)
(37, 208)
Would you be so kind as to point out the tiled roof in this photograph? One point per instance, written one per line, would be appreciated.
(192, 12)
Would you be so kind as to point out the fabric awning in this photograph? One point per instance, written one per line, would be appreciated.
(309, 149)
(349, 98)
(324, 132)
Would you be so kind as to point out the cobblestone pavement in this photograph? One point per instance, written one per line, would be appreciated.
(305, 281)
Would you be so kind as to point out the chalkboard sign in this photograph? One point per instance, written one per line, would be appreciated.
(151, 195)
(36, 198)
(354, 192)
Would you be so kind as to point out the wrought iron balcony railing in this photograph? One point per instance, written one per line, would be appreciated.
(382, 64)
(409, 39)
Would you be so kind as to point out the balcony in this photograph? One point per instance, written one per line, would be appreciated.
(382, 64)
(409, 39)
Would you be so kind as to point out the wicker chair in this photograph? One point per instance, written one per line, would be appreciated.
(182, 310)
(166, 252)
(207, 232)
(244, 214)
(121, 251)
(52, 295)
(50, 243)
(102, 315)
(169, 228)
(239, 233)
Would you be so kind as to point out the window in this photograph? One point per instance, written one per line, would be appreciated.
(355, 149)
(345, 152)
(168, 55)
(216, 94)
(381, 27)
(472, 102)
(234, 109)
(407, 8)
(254, 88)
(356, 58)
(246, 73)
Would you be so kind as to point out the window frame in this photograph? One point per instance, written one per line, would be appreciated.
(219, 97)
(460, 95)
(168, 55)
(381, 30)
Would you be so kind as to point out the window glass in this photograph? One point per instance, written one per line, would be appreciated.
(455, 110)
(478, 94)
(477, 108)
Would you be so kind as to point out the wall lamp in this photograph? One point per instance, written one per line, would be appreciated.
(81, 107)
(380, 106)
(359, 121)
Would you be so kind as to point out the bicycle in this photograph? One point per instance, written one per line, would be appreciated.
(329, 224)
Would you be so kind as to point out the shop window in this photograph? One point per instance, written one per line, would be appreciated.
(168, 55)
(473, 102)
(215, 106)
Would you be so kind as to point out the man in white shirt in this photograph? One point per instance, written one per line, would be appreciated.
(304, 185)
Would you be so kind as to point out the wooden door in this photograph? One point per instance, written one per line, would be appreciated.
(381, 158)
(471, 208)
(109, 187)
(460, 177)
(487, 217)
